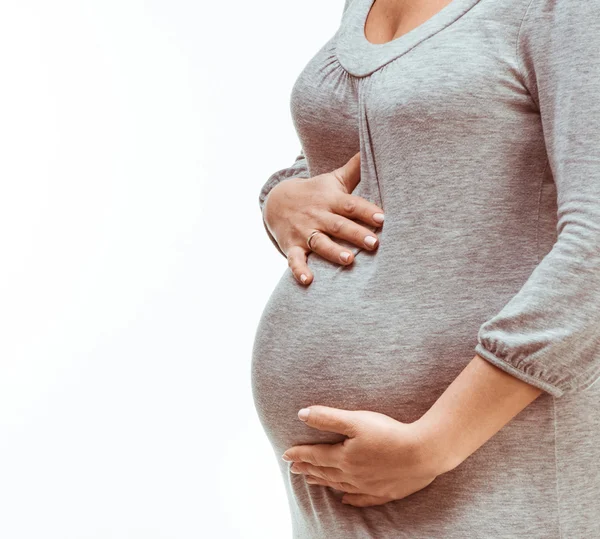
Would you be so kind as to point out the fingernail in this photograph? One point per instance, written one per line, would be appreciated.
(370, 241)
(285, 457)
(303, 414)
(303, 278)
(345, 256)
(378, 217)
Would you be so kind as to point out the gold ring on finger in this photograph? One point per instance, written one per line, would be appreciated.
(310, 238)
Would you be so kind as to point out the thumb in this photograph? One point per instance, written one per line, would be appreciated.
(349, 174)
(331, 419)
(364, 500)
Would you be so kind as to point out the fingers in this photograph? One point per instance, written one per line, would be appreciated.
(324, 246)
(297, 262)
(339, 222)
(364, 500)
(345, 487)
(322, 472)
(329, 455)
(346, 229)
(356, 207)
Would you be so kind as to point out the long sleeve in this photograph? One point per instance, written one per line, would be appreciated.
(548, 334)
(299, 169)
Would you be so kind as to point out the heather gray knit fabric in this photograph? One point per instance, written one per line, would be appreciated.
(479, 133)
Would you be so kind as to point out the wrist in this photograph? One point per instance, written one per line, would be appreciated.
(438, 448)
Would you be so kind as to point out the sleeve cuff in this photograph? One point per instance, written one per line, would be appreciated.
(511, 369)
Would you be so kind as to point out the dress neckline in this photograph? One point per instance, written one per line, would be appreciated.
(360, 57)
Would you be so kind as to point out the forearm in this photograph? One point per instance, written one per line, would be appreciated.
(478, 403)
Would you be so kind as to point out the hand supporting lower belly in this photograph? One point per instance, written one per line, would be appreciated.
(384, 459)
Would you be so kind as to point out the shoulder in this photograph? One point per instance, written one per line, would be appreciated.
(347, 4)
(558, 27)
(561, 15)
(558, 40)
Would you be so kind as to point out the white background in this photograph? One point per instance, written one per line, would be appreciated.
(134, 139)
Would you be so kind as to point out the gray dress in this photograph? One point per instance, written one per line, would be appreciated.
(479, 133)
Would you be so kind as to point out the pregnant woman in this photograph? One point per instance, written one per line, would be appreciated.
(450, 369)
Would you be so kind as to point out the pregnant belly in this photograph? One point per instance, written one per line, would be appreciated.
(363, 337)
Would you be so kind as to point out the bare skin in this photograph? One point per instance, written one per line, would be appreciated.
(391, 19)
(383, 459)
(298, 206)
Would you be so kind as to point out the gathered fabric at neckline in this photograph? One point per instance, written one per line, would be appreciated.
(359, 57)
